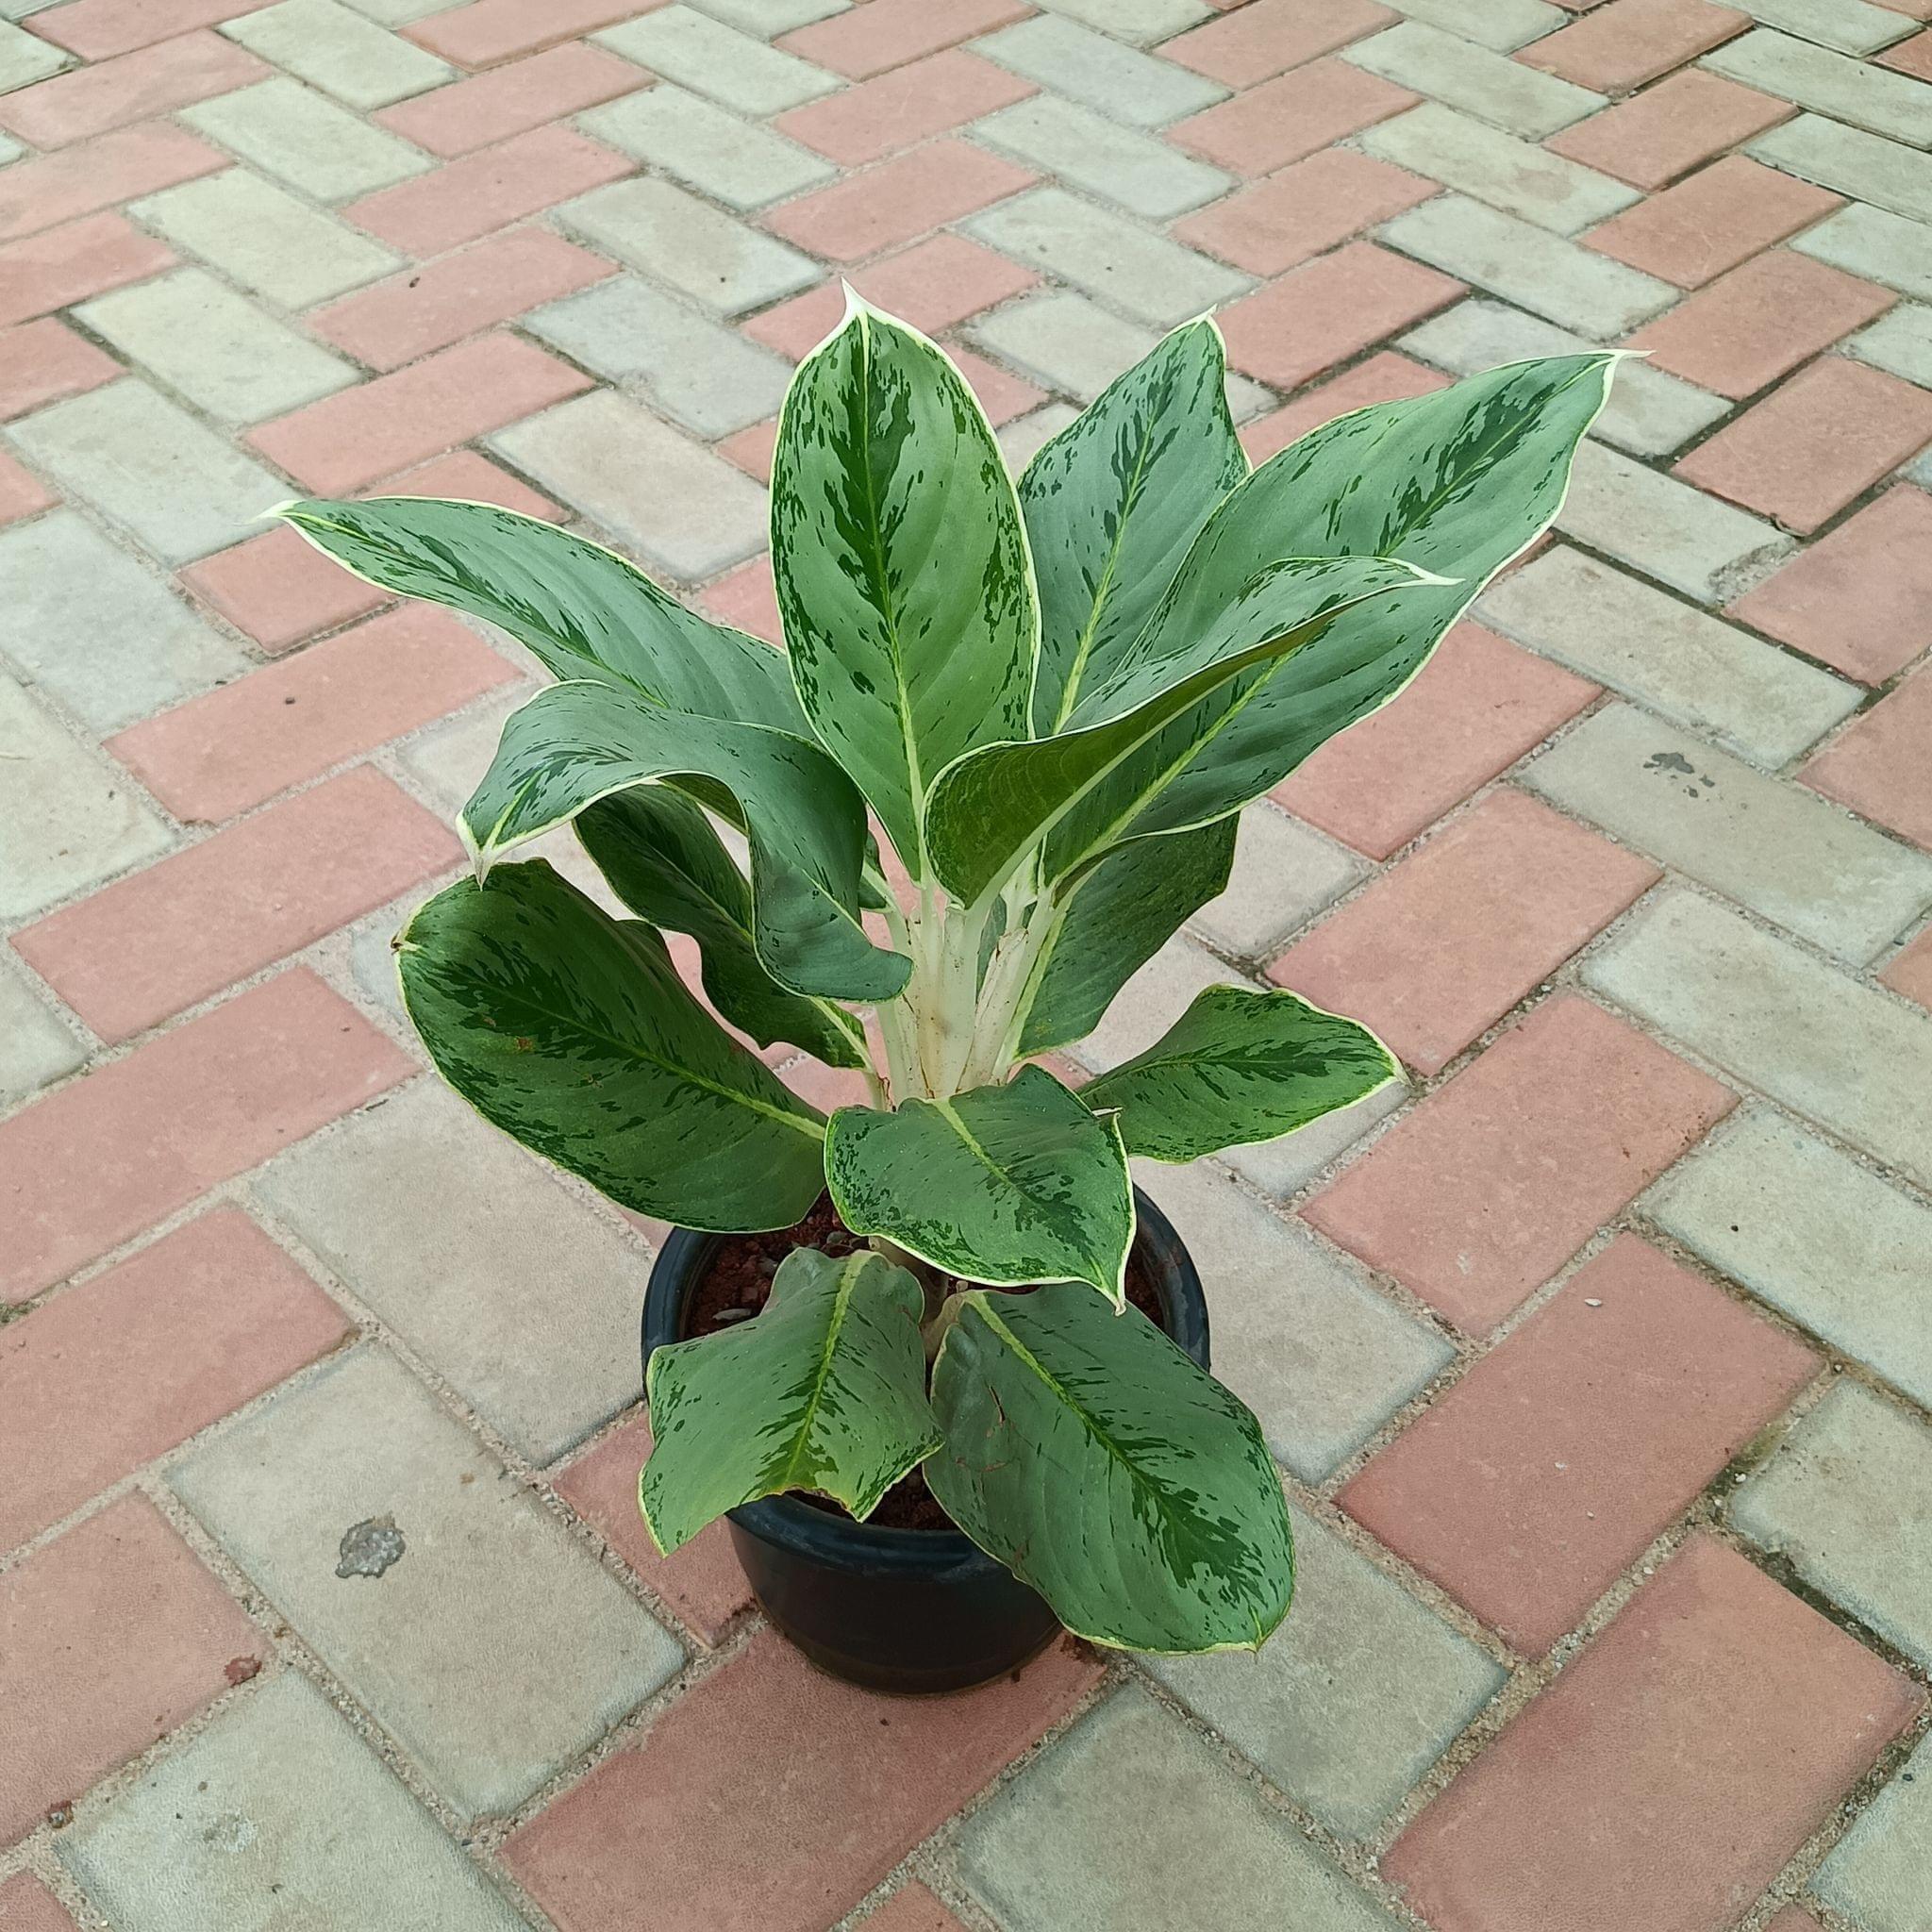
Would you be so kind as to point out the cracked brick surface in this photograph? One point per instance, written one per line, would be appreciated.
(1593, 1356)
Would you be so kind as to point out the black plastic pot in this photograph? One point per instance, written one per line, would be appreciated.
(911, 1610)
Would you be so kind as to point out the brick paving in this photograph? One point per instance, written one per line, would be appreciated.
(1596, 1359)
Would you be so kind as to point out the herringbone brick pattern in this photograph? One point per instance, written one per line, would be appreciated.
(1598, 1363)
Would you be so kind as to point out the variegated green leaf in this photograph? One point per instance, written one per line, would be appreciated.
(571, 1031)
(1456, 482)
(664, 860)
(1093, 1458)
(823, 1390)
(1118, 916)
(1008, 1185)
(581, 608)
(575, 743)
(991, 806)
(1238, 1066)
(901, 565)
(1113, 502)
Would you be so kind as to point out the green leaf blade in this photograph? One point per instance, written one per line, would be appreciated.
(582, 610)
(823, 1390)
(900, 562)
(1114, 503)
(662, 856)
(1239, 1066)
(1006, 1185)
(578, 743)
(571, 1032)
(1093, 1458)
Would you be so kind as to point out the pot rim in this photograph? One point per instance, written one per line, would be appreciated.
(798, 1526)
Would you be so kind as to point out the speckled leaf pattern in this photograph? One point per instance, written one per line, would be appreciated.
(1456, 483)
(1113, 502)
(1008, 1185)
(571, 1031)
(1238, 1066)
(992, 805)
(901, 568)
(575, 743)
(1093, 1458)
(823, 1390)
(1117, 917)
(662, 856)
(581, 608)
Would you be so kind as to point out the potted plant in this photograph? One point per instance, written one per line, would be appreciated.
(997, 764)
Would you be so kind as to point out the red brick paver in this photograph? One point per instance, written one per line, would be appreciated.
(1669, 1772)
(1668, 130)
(1619, 46)
(1713, 221)
(1289, 116)
(903, 106)
(27, 1905)
(1881, 767)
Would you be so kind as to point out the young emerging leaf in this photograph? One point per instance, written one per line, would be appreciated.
(1092, 1458)
(823, 1390)
(661, 858)
(571, 1031)
(1239, 1066)
(575, 743)
(1113, 502)
(581, 608)
(1006, 1185)
(901, 566)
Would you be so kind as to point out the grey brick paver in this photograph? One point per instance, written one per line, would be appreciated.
(1284, 874)
(265, 239)
(1476, 79)
(1284, 1167)
(1649, 413)
(1530, 266)
(1833, 84)
(1847, 1499)
(684, 364)
(493, 1648)
(461, 1279)
(1692, 667)
(332, 48)
(1901, 341)
(1806, 1228)
(1880, 1874)
(1503, 24)
(216, 347)
(69, 823)
(1299, 1335)
(707, 147)
(1497, 168)
(97, 630)
(1875, 245)
(151, 467)
(1361, 1691)
(278, 1808)
(1122, 81)
(1865, 166)
(768, 19)
(1139, 21)
(311, 141)
(735, 69)
(1116, 260)
(668, 500)
(1142, 175)
(1853, 26)
(1851, 1058)
(25, 57)
(35, 1046)
(674, 238)
(1776, 847)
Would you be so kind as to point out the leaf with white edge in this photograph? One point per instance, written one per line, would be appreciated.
(901, 568)
(823, 1390)
(582, 610)
(1008, 1185)
(575, 743)
(1239, 1066)
(571, 1031)
(1113, 502)
(991, 806)
(662, 858)
(1088, 1455)
(1456, 482)
(1117, 917)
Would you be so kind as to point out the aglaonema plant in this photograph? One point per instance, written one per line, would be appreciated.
(1050, 701)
